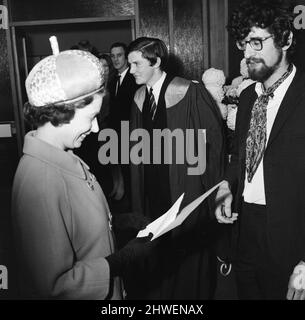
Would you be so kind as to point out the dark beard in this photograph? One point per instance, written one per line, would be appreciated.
(265, 72)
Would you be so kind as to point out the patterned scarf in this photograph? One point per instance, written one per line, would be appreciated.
(257, 134)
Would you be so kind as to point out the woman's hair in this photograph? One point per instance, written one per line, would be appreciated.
(57, 114)
(112, 71)
(274, 15)
(106, 57)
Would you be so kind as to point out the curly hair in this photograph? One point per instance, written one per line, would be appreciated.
(57, 114)
(274, 15)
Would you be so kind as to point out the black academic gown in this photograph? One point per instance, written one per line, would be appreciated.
(180, 268)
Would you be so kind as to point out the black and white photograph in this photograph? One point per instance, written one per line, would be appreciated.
(152, 154)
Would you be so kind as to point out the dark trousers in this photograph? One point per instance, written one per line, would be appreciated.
(258, 276)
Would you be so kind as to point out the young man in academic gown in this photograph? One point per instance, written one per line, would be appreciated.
(182, 269)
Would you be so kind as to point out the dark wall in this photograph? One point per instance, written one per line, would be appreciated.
(101, 35)
(61, 9)
(8, 146)
(182, 25)
(186, 38)
(8, 161)
(235, 55)
(6, 104)
(299, 57)
(154, 21)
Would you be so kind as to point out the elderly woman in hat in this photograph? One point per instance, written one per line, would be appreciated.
(61, 220)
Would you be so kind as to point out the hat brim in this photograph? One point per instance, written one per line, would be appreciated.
(84, 96)
(68, 101)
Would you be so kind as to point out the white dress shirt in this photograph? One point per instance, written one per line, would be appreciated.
(122, 75)
(157, 87)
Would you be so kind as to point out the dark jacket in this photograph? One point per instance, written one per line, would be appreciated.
(120, 104)
(284, 171)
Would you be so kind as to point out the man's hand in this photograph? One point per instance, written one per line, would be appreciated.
(223, 200)
(296, 285)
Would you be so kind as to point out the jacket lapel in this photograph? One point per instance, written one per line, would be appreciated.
(249, 101)
(289, 103)
(161, 101)
(125, 81)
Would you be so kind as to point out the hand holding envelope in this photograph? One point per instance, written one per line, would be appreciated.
(171, 219)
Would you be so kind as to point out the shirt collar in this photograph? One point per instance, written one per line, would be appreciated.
(259, 88)
(64, 160)
(157, 87)
(123, 74)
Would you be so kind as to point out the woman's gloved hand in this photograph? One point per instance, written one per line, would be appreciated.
(136, 249)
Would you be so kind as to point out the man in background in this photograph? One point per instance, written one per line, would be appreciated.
(121, 89)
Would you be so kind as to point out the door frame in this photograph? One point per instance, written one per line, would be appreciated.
(14, 61)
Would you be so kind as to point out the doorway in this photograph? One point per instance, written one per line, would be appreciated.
(30, 44)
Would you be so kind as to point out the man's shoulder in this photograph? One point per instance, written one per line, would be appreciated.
(129, 83)
(129, 77)
(248, 92)
(299, 77)
(179, 83)
(176, 91)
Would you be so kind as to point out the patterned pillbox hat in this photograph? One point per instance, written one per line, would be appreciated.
(66, 76)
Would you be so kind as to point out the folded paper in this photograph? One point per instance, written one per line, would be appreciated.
(171, 219)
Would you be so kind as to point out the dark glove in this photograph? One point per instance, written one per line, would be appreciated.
(121, 261)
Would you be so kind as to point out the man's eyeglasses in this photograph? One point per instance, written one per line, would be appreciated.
(255, 43)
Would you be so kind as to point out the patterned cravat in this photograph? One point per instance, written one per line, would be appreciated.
(152, 104)
(257, 134)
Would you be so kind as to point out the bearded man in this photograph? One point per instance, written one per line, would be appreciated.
(266, 176)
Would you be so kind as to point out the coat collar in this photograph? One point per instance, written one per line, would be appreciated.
(291, 100)
(63, 160)
(127, 76)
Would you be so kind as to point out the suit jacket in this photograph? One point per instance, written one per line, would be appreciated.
(284, 171)
(120, 104)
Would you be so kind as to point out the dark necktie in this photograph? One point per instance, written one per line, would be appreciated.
(152, 104)
(257, 134)
(117, 84)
